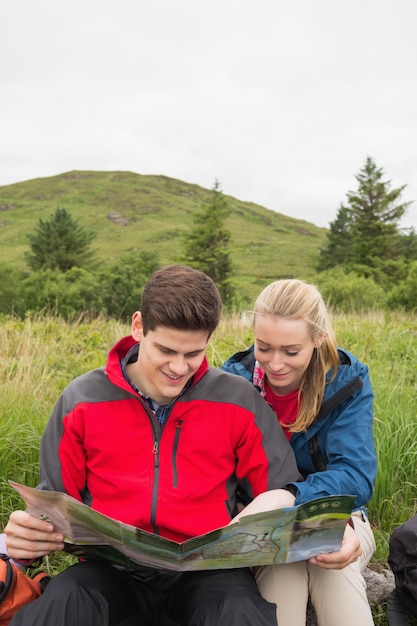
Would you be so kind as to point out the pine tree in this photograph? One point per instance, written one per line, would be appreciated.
(339, 242)
(374, 213)
(366, 232)
(206, 246)
(59, 243)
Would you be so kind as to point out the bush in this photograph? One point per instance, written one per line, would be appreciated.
(121, 284)
(11, 297)
(348, 292)
(66, 294)
(404, 295)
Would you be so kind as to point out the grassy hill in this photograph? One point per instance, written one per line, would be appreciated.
(154, 213)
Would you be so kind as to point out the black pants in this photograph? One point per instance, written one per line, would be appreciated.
(98, 594)
(400, 606)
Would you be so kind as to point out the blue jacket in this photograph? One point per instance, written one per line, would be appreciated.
(336, 454)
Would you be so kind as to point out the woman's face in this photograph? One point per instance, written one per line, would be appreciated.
(284, 349)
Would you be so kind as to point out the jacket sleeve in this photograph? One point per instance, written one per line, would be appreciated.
(55, 465)
(271, 465)
(62, 454)
(346, 442)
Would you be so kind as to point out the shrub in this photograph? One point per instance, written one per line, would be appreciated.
(348, 292)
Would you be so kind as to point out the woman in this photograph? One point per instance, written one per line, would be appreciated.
(323, 400)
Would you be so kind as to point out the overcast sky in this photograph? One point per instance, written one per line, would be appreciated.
(281, 101)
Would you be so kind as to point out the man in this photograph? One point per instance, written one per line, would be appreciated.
(160, 440)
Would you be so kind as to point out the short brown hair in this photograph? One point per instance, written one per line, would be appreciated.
(178, 296)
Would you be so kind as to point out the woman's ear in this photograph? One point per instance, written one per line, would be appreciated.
(319, 340)
(137, 326)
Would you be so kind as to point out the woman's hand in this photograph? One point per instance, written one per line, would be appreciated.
(29, 537)
(267, 501)
(349, 552)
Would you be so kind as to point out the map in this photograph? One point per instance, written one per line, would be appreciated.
(279, 536)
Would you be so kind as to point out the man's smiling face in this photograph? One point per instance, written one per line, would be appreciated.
(167, 359)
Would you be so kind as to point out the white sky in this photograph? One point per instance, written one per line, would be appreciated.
(280, 100)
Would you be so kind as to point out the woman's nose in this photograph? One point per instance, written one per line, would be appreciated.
(276, 363)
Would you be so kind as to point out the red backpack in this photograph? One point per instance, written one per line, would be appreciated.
(16, 588)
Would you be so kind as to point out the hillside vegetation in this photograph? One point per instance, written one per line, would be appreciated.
(130, 211)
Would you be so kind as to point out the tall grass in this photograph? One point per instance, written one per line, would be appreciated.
(40, 356)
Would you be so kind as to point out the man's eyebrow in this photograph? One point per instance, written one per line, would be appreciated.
(167, 349)
(162, 347)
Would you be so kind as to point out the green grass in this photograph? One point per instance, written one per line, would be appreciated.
(153, 214)
(40, 356)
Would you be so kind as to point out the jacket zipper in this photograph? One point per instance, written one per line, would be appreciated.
(156, 429)
(157, 432)
(155, 451)
(178, 426)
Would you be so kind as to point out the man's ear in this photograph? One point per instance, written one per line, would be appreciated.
(137, 326)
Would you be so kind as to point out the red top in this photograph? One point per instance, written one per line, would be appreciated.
(285, 407)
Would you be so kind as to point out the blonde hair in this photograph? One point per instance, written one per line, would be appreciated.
(293, 299)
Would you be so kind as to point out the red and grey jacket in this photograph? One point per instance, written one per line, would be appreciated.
(104, 446)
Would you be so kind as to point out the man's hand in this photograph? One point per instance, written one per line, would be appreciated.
(349, 552)
(28, 537)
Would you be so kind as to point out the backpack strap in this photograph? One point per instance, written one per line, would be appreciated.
(6, 583)
(316, 454)
(329, 405)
